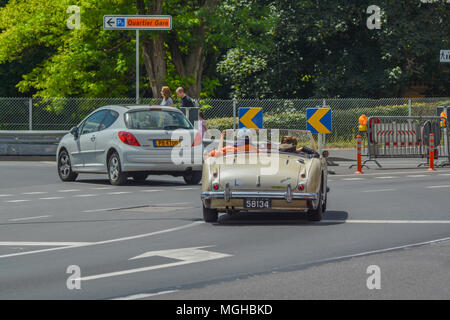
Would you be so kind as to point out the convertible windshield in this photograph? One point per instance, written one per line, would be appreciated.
(156, 120)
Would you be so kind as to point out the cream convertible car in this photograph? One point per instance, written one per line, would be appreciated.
(247, 175)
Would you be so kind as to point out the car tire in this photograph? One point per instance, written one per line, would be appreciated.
(139, 177)
(210, 215)
(194, 177)
(115, 174)
(316, 214)
(64, 167)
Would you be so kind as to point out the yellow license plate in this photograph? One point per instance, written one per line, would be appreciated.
(165, 143)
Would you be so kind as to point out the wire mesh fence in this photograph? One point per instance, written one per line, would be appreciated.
(64, 113)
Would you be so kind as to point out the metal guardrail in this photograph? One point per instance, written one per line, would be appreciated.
(30, 143)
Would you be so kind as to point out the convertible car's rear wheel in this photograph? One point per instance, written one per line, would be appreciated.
(64, 167)
(316, 214)
(193, 177)
(210, 215)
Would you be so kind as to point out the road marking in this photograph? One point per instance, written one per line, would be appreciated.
(150, 190)
(29, 218)
(188, 188)
(100, 210)
(433, 187)
(186, 255)
(17, 200)
(388, 177)
(144, 295)
(417, 176)
(35, 192)
(392, 221)
(353, 179)
(444, 174)
(84, 195)
(69, 190)
(103, 188)
(51, 198)
(119, 192)
(5, 195)
(379, 190)
(396, 172)
(80, 244)
(379, 251)
(42, 244)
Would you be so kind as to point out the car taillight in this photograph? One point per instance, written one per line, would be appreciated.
(216, 186)
(128, 138)
(301, 187)
(303, 175)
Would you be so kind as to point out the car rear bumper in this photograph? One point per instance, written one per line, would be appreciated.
(266, 195)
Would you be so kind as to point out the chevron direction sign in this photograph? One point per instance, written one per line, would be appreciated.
(250, 118)
(318, 120)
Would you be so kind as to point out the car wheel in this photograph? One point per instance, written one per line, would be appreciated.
(193, 177)
(210, 215)
(139, 177)
(64, 167)
(115, 174)
(316, 214)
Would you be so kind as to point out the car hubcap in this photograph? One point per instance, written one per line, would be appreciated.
(114, 168)
(64, 165)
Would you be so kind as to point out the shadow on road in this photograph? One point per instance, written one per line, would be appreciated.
(282, 218)
(130, 182)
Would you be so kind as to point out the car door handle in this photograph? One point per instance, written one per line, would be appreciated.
(93, 138)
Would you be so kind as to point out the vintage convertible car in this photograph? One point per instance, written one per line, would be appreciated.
(248, 175)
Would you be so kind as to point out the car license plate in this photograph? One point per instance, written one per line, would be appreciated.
(257, 203)
(165, 143)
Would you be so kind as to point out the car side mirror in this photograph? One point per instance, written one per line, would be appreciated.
(325, 153)
(74, 132)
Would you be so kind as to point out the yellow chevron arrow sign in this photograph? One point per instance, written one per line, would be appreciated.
(247, 118)
(314, 121)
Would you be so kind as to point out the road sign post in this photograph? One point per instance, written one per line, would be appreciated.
(137, 22)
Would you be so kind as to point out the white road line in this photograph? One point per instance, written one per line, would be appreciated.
(391, 221)
(444, 174)
(103, 188)
(188, 188)
(42, 244)
(51, 198)
(434, 187)
(84, 195)
(100, 210)
(29, 218)
(77, 245)
(417, 176)
(152, 190)
(35, 192)
(353, 179)
(389, 177)
(396, 172)
(17, 201)
(144, 295)
(69, 190)
(5, 195)
(119, 192)
(379, 190)
(380, 251)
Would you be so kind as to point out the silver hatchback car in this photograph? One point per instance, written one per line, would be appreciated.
(128, 140)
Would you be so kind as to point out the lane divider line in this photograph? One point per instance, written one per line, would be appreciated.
(144, 295)
(29, 218)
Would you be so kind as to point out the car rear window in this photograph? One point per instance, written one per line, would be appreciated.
(156, 120)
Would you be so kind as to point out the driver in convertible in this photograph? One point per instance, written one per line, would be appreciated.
(289, 144)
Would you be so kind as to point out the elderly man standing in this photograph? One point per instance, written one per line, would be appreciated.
(186, 101)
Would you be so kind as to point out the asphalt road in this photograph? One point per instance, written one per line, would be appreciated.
(47, 225)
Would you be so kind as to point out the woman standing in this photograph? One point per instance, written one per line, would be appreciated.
(167, 96)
